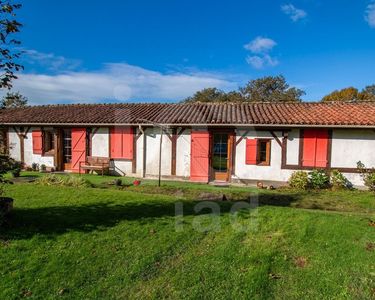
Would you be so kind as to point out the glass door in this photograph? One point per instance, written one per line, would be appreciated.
(220, 158)
(67, 149)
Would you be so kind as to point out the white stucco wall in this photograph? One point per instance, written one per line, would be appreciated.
(152, 152)
(292, 147)
(100, 143)
(30, 157)
(183, 150)
(14, 145)
(350, 146)
(272, 172)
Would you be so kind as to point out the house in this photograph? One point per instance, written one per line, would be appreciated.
(200, 142)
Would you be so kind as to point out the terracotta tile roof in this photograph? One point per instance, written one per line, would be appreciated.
(303, 114)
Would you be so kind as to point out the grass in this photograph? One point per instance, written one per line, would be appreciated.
(111, 243)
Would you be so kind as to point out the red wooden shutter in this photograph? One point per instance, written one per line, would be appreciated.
(309, 148)
(321, 159)
(315, 148)
(127, 142)
(200, 152)
(37, 142)
(78, 147)
(251, 151)
(116, 142)
(122, 142)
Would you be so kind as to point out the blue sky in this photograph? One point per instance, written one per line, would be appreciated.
(99, 51)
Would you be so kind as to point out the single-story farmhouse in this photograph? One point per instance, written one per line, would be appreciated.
(199, 142)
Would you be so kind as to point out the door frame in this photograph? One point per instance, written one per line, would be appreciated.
(231, 149)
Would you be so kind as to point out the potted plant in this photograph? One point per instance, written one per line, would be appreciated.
(136, 182)
(35, 167)
(42, 168)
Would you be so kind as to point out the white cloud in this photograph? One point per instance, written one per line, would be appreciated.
(260, 45)
(294, 13)
(49, 61)
(116, 81)
(259, 62)
(370, 14)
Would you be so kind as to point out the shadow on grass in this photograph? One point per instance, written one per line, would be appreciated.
(51, 221)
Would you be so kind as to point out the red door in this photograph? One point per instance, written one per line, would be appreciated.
(200, 152)
(78, 148)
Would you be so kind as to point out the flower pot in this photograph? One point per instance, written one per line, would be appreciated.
(6, 205)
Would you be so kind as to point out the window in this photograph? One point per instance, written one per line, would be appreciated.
(264, 152)
(121, 143)
(48, 142)
(258, 152)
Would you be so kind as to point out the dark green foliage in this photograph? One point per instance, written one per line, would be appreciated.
(8, 49)
(368, 175)
(339, 181)
(13, 100)
(271, 89)
(299, 180)
(266, 89)
(351, 94)
(318, 179)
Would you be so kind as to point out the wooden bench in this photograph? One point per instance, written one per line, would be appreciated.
(95, 163)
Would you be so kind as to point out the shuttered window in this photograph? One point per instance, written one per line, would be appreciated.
(251, 151)
(121, 142)
(37, 136)
(315, 148)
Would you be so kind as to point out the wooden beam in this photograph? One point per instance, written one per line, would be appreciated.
(276, 138)
(174, 150)
(242, 137)
(134, 159)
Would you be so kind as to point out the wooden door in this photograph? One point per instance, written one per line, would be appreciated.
(78, 148)
(200, 156)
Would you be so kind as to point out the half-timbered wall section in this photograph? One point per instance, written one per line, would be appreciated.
(261, 147)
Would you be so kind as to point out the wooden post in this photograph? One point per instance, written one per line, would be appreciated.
(160, 147)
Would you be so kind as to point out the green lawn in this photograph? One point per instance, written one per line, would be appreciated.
(111, 243)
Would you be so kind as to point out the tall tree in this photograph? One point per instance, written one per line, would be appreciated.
(207, 95)
(266, 89)
(344, 95)
(13, 100)
(368, 93)
(271, 89)
(8, 48)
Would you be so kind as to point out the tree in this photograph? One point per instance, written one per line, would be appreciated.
(8, 52)
(13, 100)
(368, 93)
(271, 89)
(207, 95)
(267, 89)
(349, 94)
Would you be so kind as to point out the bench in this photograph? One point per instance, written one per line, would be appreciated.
(95, 163)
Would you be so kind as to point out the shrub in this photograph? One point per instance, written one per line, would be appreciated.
(318, 179)
(76, 181)
(55, 180)
(16, 169)
(35, 167)
(368, 175)
(339, 181)
(299, 180)
(42, 168)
